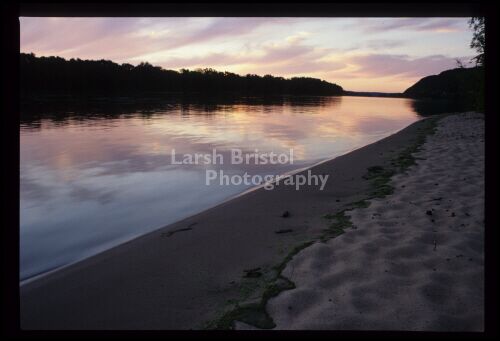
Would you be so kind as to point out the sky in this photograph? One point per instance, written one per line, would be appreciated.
(360, 54)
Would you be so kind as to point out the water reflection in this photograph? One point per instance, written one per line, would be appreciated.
(429, 107)
(96, 173)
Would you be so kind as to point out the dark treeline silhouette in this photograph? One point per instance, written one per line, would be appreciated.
(464, 85)
(48, 75)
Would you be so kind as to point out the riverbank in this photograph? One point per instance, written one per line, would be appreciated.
(413, 260)
(199, 272)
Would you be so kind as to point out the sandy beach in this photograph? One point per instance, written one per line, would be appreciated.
(412, 260)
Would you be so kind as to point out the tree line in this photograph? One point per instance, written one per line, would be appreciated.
(48, 75)
(459, 83)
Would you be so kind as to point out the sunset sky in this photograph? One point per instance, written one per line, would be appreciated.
(361, 54)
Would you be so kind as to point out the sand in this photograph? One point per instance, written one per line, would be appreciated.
(414, 259)
(189, 273)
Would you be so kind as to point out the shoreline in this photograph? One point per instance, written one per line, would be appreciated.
(235, 196)
(172, 278)
(410, 260)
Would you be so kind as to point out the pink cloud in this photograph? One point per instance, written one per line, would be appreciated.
(117, 38)
(285, 60)
(378, 65)
(294, 53)
(414, 24)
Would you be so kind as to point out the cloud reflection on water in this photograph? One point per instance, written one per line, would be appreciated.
(96, 174)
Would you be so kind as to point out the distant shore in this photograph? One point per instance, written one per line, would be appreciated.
(195, 273)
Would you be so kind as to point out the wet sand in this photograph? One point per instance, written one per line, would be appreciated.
(188, 273)
(414, 260)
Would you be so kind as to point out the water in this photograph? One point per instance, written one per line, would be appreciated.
(96, 175)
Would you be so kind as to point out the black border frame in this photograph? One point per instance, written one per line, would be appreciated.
(10, 132)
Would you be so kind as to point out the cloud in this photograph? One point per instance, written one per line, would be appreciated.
(291, 59)
(350, 51)
(387, 72)
(223, 27)
(56, 35)
(288, 58)
(380, 44)
(378, 65)
(211, 60)
(126, 38)
(296, 38)
(280, 53)
(437, 25)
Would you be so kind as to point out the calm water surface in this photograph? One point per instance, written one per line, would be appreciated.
(95, 176)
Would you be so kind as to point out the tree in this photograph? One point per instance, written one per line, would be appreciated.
(478, 41)
(460, 64)
(75, 76)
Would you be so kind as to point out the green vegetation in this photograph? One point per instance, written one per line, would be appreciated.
(379, 178)
(254, 312)
(337, 226)
(361, 204)
(279, 268)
